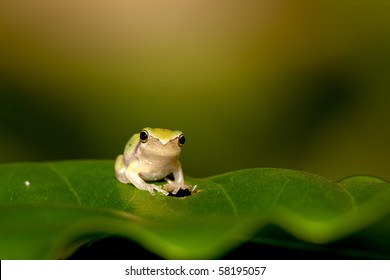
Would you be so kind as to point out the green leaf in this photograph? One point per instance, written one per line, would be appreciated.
(47, 210)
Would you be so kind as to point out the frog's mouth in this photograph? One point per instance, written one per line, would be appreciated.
(165, 141)
(156, 148)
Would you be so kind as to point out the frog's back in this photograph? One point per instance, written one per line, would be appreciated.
(130, 147)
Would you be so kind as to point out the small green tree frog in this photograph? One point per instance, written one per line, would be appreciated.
(152, 155)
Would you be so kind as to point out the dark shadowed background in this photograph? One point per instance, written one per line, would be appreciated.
(294, 84)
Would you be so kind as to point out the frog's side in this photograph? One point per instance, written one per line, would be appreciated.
(152, 155)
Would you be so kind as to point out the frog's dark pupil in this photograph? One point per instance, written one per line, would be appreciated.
(143, 136)
(182, 139)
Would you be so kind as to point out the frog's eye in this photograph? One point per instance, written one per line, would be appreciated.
(182, 140)
(143, 136)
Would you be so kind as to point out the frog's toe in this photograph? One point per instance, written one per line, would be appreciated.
(160, 189)
(151, 191)
(164, 192)
(178, 188)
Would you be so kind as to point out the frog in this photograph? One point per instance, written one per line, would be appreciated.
(153, 155)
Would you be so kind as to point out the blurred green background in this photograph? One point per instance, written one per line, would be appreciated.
(271, 83)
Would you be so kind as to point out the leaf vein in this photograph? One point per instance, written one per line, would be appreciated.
(65, 179)
(279, 195)
(350, 196)
(128, 201)
(234, 208)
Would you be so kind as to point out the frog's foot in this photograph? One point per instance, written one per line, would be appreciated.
(174, 187)
(159, 189)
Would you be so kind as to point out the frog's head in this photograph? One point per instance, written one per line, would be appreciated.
(161, 142)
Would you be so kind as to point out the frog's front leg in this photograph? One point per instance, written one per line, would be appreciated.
(178, 183)
(140, 184)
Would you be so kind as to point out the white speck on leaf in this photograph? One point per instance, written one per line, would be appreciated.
(27, 183)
